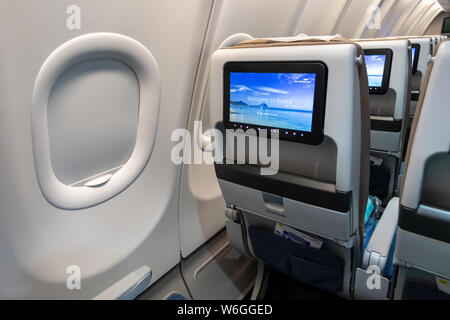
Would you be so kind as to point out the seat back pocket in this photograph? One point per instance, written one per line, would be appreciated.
(313, 266)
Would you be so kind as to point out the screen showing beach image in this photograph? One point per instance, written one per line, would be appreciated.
(375, 69)
(276, 100)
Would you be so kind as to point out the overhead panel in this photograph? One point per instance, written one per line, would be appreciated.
(320, 17)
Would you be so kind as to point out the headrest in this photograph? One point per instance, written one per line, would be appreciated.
(411, 38)
(300, 40)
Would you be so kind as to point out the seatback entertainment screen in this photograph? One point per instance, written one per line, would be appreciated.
(286, 97)
(378, 65)
(280, 100)
(415, 52)
(375, 69)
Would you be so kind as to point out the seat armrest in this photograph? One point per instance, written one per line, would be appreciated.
(377, 250)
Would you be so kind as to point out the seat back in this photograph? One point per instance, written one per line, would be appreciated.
(390, 111)
(319, 189)
(423, 240)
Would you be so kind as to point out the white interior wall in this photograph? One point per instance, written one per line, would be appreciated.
(356, 18)
(140, 225)
(413, 18)
(435, 26)
(350, 17)
(386, 8)
(320, 17)
(425, 20)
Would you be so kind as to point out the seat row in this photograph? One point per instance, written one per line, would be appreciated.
(339, 110)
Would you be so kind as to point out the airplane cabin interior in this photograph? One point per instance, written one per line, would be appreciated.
(225, 150)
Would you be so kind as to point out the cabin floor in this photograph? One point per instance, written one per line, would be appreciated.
(283, 287)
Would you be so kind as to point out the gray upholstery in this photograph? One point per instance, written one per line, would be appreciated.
(416, 81)
(383, 105)
(436, 179)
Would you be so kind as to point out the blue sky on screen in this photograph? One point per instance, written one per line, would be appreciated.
(412, 55)
(375, 69)
(290, 91)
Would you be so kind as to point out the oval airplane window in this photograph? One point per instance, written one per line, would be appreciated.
(94, 118)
